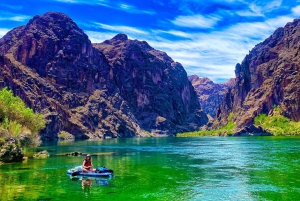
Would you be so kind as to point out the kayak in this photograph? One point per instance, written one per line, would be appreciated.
(99, 172)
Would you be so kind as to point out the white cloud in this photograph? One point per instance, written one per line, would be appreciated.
(90, 2)
(296, 11)
(254, 10)
(3, 31)
(196, 21)
(212, 54)
(132, 9)
(8, 16)
(19, 18)
(173, 32)
(273, 5)
(98, 37)
(13, 7)
(110, 4)
(120, 29)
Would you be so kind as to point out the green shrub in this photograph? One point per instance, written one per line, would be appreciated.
(18, 121)
(225, 130)
(14, 128)
(14, 109)
(2, 141)
(65, 135)
(277, 124)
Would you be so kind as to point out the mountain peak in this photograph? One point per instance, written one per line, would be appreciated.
(121, 37)
(53, 20)
(205, 80)
(195, 79)
(51, 16)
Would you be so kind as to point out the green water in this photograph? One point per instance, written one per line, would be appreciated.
(266, 168)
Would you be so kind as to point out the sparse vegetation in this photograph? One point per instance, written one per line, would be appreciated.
(277, 124)
(19, 125)
(63, 135)
(225, 130)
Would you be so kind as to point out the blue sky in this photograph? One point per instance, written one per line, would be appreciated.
(208, 37)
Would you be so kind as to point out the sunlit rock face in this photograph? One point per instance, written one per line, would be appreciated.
(52, 65)
(268, 76)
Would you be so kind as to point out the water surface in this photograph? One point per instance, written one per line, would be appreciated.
(216, 168)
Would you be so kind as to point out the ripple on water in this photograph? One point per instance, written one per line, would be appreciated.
(164, 169)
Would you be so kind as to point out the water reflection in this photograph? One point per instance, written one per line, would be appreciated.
(86, 185)
(86, 182)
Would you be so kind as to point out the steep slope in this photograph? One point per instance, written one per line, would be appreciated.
(51, 64)
(210, 94)
(155, 87)
(268, 76)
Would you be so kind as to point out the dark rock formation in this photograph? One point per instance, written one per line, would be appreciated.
(10, 152)
(51, 64)
(155, 87)
(210, 94)
(269, 75)
(252, 131)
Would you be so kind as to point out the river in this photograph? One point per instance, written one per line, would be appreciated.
(207, 168)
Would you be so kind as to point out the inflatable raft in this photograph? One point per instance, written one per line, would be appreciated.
(99, 172)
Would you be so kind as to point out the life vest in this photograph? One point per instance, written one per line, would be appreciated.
(87, 163)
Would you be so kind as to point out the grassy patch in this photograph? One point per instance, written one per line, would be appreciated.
(277, 124)
(225, 130)
(65, 136)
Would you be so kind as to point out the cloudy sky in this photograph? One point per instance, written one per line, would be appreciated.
(208, 37)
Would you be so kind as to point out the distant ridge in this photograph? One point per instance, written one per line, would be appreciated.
(210, 94)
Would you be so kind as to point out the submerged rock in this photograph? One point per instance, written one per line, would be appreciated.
(41, 154)
(76, 153)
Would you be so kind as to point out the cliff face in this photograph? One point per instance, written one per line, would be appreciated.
(155, 87)
(210, 94)
(268, 76)
(52, 65)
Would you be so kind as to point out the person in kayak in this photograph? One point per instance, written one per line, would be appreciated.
(87, 165)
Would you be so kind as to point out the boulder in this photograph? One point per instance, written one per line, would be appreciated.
(10, 153)
(252, 131)
(41, 155)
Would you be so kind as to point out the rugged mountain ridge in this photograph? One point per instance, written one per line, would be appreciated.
(52, 65)
(136, 68)
(269, 75)
(210, 94)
